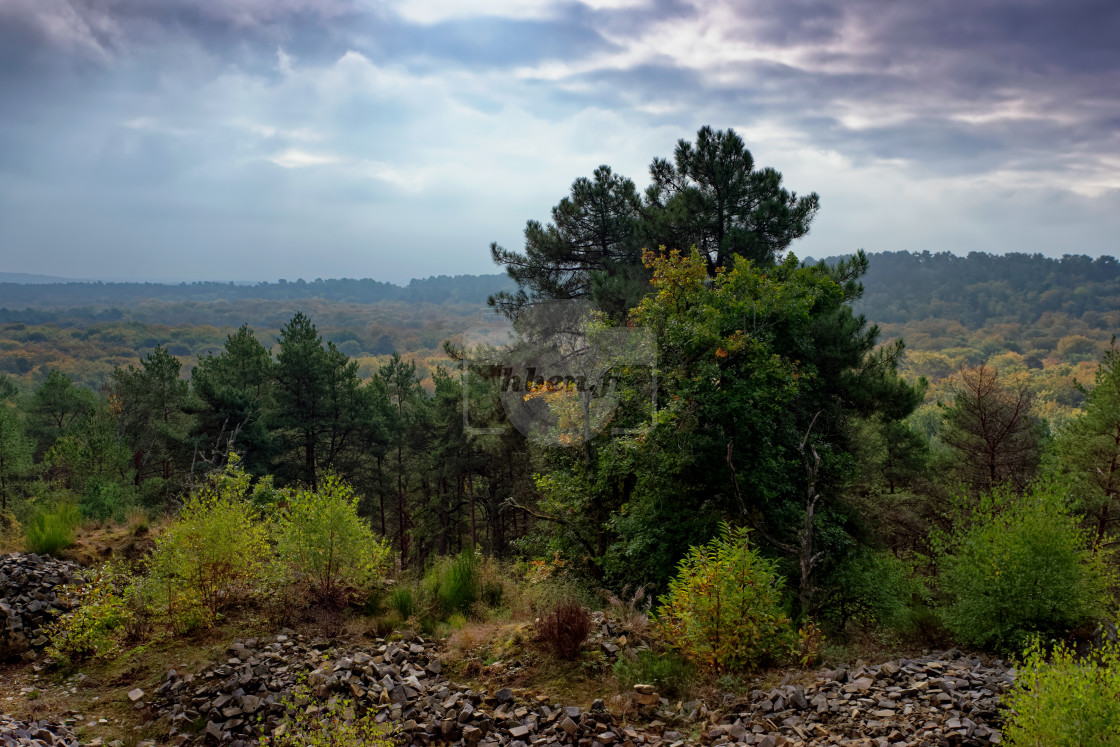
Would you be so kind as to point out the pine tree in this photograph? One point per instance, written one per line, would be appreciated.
(1089, 447)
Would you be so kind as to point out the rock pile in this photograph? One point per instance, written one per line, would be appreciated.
(29, 586)
(401, 682)
(34, 734)
(940, 699)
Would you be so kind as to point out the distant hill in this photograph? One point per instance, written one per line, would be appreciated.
(442, 289)
(982, 289)
(23, 278)
(900, 287)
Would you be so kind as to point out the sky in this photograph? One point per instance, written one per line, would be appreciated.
(263, 139)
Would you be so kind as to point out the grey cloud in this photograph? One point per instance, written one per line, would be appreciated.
(152, 123)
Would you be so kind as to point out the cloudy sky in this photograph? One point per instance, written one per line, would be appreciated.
(259, 139)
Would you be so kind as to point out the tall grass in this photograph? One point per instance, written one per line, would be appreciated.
(403, 601)
(456, 583)
(51, 531)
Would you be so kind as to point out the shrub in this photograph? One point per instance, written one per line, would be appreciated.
(871, 588)
(403, 601)
(110, 608)
(669, 673)
(105, 500)
(51, 531)
(493, 579)
(564, 629)
(322, 539)
(722, 610)
(215, 552)
(308, 722)
(1065, 702)
(10, 528)
(1022, 565)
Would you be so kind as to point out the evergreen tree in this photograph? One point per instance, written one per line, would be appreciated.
(762, 370)
(406, 421)
(154, 406)
(234, 389)
(56, 406)
(1089, 447)
(591, 249)
(713, 198)
(710, 197)
(319, 401)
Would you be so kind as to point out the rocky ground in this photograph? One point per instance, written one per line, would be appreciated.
(34, 733)
(945, 698)
(941, 699)
(29, 586)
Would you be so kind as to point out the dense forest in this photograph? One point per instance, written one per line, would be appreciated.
(924, 444)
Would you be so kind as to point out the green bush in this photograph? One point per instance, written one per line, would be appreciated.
(723, 609)
(322, 540)
(51, 531)
(110, 609)
(1065, 702)
(216, 551)
(308, 722)
(1021, 565)
(670, 674)
(105, 500)
(871, 589)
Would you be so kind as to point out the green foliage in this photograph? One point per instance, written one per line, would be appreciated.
(723, 609)
(670, 674)
(597, 229)
(321, 538)
(215, 552)
(309, 722)
(105, 500)
(455, 583)
(1064, 700)
(403, 601)
(57, 407)
(15, 452)
(50, 531)
(153, 406)
(709, 196)
(871, 589)
(1088, 448)
(1020, 565)
(92, 450)
(750, 361)
(319, 403)
(111, 608)
(234, 387)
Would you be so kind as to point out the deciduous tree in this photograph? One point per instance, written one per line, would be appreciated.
(992, 428)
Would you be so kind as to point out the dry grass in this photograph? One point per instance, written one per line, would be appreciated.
(631, 609)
